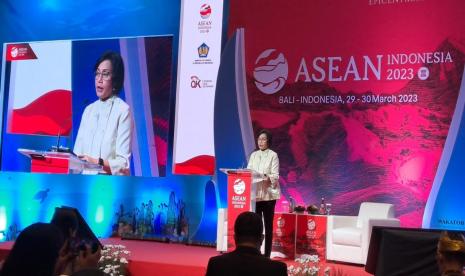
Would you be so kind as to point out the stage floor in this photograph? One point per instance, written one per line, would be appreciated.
(156, 258)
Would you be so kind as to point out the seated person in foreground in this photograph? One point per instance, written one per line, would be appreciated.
(40, 250)
(451, 254)
(34, 252)
(76, 256)
(246, 259)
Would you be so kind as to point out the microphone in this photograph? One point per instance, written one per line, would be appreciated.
(58, 140)
(57, 147)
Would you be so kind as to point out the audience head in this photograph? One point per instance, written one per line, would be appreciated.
(67, 221)
(248, 230)
(34, 252)
(451, 252)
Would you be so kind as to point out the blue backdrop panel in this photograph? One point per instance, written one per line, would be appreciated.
(444, 207)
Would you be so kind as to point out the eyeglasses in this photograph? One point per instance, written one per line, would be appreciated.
(106, 75)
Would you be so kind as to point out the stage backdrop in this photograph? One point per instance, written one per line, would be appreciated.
(359, 95)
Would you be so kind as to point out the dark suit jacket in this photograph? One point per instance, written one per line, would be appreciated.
(245, 261)
(89, 272)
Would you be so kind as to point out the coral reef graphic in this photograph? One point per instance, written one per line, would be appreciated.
(10, 234)
(165, 222)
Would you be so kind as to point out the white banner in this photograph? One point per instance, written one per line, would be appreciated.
(198, 62)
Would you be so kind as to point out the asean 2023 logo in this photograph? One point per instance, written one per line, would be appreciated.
(239, 186)
(271, 71)
(205, 11)
(14, 52)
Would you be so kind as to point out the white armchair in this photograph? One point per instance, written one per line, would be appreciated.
(348, 237)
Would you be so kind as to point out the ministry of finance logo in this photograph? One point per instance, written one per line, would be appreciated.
(271, 71)
(203, 50)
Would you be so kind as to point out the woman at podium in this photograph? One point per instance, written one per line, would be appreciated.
(104, 136)
(266, 162)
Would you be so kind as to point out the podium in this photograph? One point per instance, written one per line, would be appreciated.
(58, 162)
(241, 198)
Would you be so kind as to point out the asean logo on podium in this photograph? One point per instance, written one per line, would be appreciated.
(239, 186)
(271, 71)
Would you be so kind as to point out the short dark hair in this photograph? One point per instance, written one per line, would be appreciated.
(269, 136)
(117, 74)
(452, 246)
(35, 251)
(248, 227)
(66, 220)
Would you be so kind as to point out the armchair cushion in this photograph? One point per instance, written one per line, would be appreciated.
(347, 236)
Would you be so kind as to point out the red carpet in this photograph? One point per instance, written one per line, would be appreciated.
(4, 249)
(155, 258)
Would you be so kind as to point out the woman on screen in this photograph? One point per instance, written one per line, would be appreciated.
(266, 162)
(104, 136)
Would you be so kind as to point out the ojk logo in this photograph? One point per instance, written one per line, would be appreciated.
(239, 186)
(271, 71)
(195, 82)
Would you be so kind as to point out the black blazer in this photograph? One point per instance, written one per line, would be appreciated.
(245, 261)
